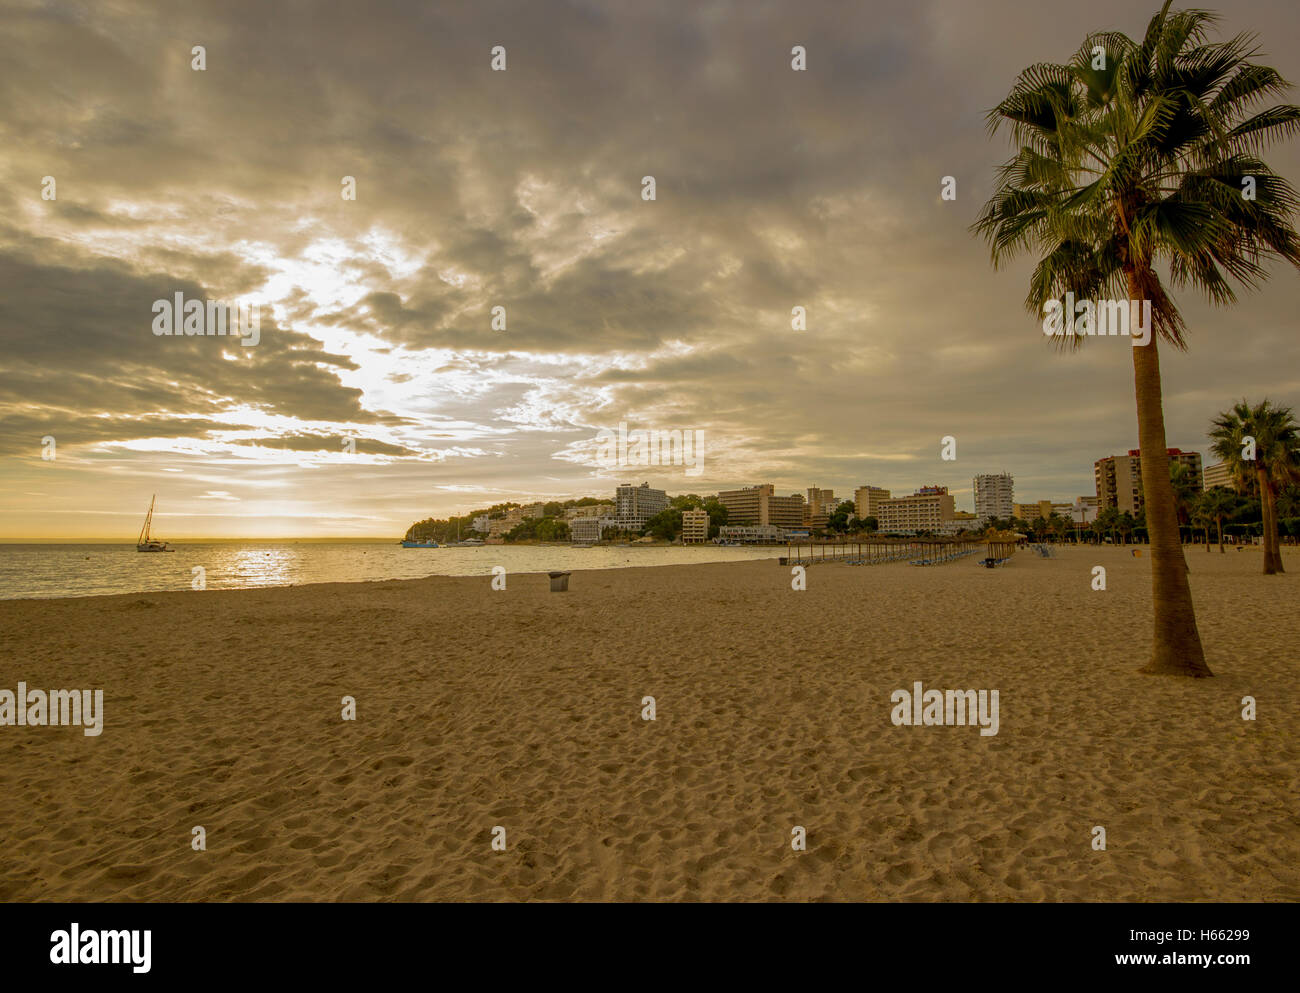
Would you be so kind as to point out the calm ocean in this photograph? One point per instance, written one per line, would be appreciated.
(91, 570)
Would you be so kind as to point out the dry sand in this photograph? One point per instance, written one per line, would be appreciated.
(522, 709)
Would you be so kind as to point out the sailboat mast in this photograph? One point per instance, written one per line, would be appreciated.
(148, 519)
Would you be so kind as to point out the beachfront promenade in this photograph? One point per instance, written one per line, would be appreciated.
(916, 551)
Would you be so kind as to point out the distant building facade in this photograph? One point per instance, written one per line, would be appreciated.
(821, 501)
(751, 534)
(589, 510)
(1084, 510)
(695, 527)
(1043, 508)
(634, 505)
(587, 530)
(1219, 474)
(1119, 478)
(760, 505)
(867, 500)
(928, 509)
(994, 495)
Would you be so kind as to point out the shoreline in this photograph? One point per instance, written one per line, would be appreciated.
(481, 569)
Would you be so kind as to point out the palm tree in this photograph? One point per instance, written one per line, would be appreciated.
(1214, 506)
(1107, 521)
(1126, 523)
(1184, 485)
(1203, 521)
(1141, 162)
(1276, 461)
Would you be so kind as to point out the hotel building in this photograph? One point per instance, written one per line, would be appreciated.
(760, 505)
(994, 495)
(634, 505)
(929, 509)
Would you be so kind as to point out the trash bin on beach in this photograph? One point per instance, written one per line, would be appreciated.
(559, 582)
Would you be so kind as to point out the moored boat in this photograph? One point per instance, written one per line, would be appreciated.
(146, 542)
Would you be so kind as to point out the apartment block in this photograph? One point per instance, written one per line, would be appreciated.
(814, 519)
(994, 495)
(1219, 474)
(1039, 508)
(587, 530)
(867, 500)
(784, 512)
(821, 501)
(695, 527)
(1119, 478)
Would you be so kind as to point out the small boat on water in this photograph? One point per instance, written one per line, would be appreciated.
(419, 544)
(146, 542)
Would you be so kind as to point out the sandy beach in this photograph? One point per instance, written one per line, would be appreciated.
(522, 708)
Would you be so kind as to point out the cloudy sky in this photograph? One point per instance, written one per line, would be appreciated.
(523, 189)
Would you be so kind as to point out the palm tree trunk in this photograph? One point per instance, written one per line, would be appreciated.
(1221, 552)
(1176, 647)
(1274, 532)
(1266, 512)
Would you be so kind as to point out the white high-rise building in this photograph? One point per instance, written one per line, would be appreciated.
(994, 496)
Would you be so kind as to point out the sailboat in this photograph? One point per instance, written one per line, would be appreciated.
(147, 543)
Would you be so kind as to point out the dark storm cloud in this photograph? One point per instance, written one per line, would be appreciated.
(23, 429)
(331, 444)
(81, 340)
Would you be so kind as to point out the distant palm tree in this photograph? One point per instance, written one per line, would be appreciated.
(1203, 521)
(1184, 485)
(1147, 156)
(1276, 460)
(1215, 505)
